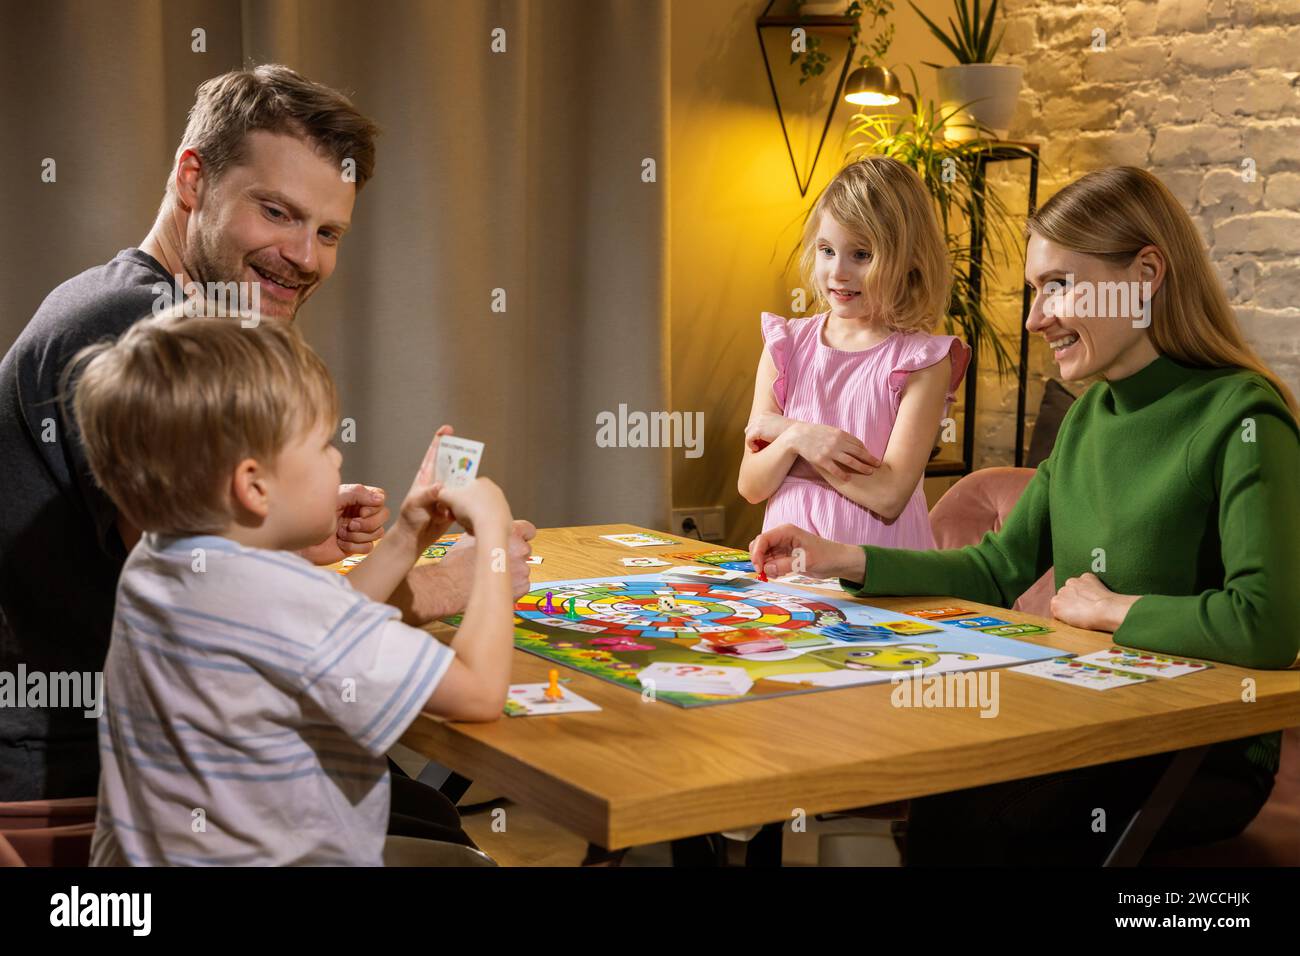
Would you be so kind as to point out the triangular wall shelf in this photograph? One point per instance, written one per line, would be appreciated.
(810, 23)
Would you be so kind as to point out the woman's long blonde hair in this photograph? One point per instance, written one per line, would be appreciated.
(884, 204)
(1112, 214)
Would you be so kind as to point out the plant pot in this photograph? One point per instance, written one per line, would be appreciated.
(988, 91)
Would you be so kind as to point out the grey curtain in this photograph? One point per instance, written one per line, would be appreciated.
(519, 171)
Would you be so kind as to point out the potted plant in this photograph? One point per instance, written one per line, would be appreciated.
(813, 60)
(950, 171)
(979, 94)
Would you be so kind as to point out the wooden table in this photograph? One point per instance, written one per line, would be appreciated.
(638, 772)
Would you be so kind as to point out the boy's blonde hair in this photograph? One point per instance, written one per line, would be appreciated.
(884, 204)
(168, 410)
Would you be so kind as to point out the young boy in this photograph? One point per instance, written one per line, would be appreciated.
(250, 696)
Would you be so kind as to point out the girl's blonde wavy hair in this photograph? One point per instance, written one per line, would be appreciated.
(884, 204)
(1114, 213)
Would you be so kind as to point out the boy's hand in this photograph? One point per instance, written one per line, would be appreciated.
(423, 515)
(478, 504)
(361, 516)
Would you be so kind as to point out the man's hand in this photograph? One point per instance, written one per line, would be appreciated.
(437, 590)
(1084, 601)
(361, 514)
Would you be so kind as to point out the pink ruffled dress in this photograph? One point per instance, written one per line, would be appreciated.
(858, 392)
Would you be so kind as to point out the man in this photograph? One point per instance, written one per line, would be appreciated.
(261, 194)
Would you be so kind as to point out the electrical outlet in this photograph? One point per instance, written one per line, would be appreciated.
(710, 520)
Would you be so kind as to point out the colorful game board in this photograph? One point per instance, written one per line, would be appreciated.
(622, 625)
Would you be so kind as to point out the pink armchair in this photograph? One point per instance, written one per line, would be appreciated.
(978, 503)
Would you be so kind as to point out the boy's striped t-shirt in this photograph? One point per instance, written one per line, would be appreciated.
(249, 700)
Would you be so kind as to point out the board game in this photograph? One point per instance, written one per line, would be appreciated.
(613, 628)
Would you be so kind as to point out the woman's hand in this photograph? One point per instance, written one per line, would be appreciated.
(832, 450)
(789, 549)
(1084, 601)
(765, 428)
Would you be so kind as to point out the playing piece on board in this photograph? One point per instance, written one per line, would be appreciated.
(643, 563)
(1070, 670)
(1144, 662)
(530, 700)
(637, 540)
(457, 461)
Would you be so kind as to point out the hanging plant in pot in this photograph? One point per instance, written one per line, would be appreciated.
(980, 94)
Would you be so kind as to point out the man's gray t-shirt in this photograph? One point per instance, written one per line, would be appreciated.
(60, 553)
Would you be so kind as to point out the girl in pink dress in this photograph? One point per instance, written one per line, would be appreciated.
(848, 404)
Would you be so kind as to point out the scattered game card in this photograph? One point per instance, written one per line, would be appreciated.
(637, 539)
(643, 563)
(1015, 630)
(743, 643)
(910, 627)
(825, 584)
(457, 462)
(694, 679)
(1142, 662)
(534, 559)
(530, 700)
(939, 613)
(1076, 671)
(703, 574)
(860, 632)
(980, 622)
(730, 559)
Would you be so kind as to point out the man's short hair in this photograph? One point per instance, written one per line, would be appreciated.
(169, 410)
(275, 99)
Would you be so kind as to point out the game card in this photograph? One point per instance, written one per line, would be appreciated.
(530, 700)
(910, 627)
(1076, 671)
(1015, 630)
(704, 574)
(637, 539)
(825, 584)
(939, 613)
(534, 559)
(1142, 662)
(980, 622)
(643, 563)
(458, 460)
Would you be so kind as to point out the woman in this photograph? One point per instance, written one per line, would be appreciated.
(1170, 509)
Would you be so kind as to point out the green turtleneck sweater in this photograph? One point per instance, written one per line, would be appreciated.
(1179, 484)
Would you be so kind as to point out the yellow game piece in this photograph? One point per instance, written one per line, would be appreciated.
(553, 692)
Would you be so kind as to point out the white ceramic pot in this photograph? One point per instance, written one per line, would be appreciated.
(988, 91)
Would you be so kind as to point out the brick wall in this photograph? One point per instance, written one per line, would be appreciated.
(1189, 89)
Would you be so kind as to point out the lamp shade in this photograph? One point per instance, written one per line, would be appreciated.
(872, 86)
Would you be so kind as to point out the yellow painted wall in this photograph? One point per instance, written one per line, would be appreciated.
(735, 215)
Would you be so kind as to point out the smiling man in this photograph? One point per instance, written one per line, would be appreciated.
(260, 195)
